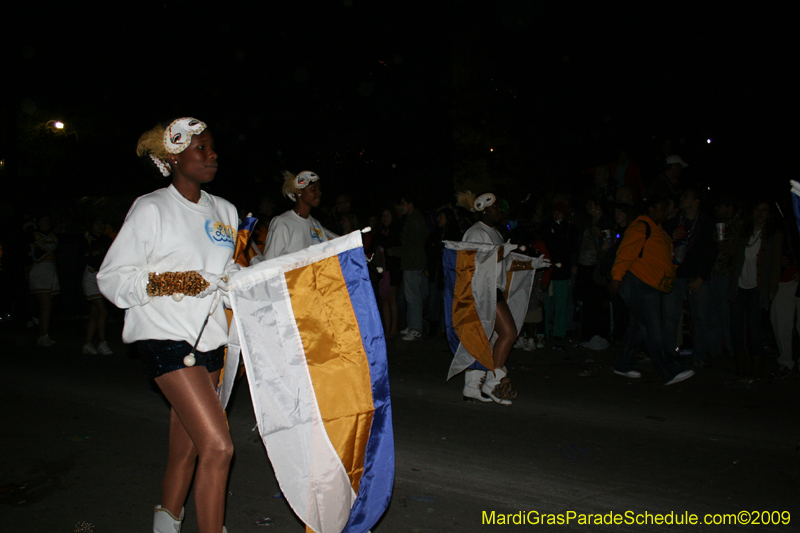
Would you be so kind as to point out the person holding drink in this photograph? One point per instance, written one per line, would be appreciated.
(729, 218)
(695, 251)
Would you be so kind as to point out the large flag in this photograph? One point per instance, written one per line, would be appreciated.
(470, 297)
(308, 329)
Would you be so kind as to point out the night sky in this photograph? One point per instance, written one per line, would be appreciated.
(377, 97)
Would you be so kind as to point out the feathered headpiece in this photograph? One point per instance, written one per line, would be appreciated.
(467, 200)
(159, 142)
(292, 183)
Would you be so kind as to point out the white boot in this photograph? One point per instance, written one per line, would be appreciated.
(165, 522)
(472, 385)
(498, 387)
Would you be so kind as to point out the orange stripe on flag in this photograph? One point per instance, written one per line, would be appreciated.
(466, 321)
(336, 359)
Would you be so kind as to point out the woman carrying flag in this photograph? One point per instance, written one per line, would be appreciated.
(496, 385)
(160, 269)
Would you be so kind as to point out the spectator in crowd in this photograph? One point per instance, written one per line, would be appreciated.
(626, 173)
(43, 275)
(667, 183)
(623, 195)
(98, 244)
(595, 318)
(643, 271)
(346, 220)
(412, 260)
(729, 219)
(602, 190)
(446, 230)
(531, 337)
(753, 283)
(624, 214)
(673, 208)
(694, 254)
(386, 238)
(559, 236)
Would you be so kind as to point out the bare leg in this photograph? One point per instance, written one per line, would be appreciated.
(102, 318)
(506, 334)
(92, 327)
(197, 429)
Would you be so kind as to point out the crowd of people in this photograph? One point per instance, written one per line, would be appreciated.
(714, 242)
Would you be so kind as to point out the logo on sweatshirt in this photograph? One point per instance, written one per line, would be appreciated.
(220, 234)
(316, 234)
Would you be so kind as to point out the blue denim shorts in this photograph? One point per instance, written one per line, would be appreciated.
(162, 356)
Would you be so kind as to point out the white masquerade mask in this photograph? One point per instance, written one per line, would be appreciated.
(178, 135)
(303, 180)
(483, 201)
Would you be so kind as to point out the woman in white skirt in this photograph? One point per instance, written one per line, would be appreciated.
(43, 276)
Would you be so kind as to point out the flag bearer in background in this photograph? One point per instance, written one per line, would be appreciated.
(495, 383)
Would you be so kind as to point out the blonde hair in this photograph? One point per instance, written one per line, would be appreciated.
(466, 200)
(152, 143)
(289, 188)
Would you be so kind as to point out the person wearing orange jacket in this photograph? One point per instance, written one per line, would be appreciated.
(643, 271)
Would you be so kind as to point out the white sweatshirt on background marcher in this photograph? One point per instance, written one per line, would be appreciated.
(483, 234)
(290, 233)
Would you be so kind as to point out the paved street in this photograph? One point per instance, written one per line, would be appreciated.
(83, 439)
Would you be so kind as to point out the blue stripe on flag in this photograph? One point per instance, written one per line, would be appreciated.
(449, 258)
(375, 489)
(248, 223)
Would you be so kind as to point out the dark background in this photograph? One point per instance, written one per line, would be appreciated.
(381, 97)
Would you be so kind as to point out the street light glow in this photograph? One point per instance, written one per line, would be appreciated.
(708, 141)
(59, 125)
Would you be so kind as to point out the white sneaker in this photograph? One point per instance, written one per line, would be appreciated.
(629, 374)
(473, 379)
(412, 335)
(530, 345)
(88, 349)
(166, 522)
(45, 341)
(686, 374)
(540, 341)
(104, 349)
(405, 331)
(521, 342)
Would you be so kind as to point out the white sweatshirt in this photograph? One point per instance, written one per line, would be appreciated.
(290, 233)
(164, 232)
(483, 234)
